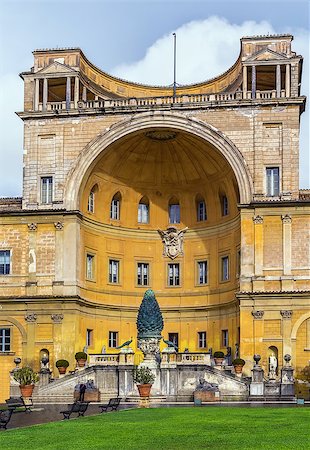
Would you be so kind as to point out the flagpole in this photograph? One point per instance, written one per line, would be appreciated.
(174, 65)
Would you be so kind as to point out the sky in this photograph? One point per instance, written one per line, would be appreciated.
(133, 40)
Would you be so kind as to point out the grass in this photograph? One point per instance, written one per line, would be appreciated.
(171, 428)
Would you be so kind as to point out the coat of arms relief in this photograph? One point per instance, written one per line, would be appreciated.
(173, 241)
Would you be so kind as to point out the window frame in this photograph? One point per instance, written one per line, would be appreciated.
(197, 278)
(142, 209)
(171, 336)
(146, 263)
(200, 338)
(90, 256)
(110, 270)
(3, 339)
(5, 264)
(89, 337)
(168, 274)
(224, 205)
(176, 216)
(201, 216)
(272, 182)
(222, 259)
(115, 206)
(225, 338)
(113, 339)
(91, 202)
(49, 190)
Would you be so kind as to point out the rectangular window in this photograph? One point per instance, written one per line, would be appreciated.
(225, 268)
(115, 209)
(174, 337)
(143, 213)
(143, 274)
(113, 339)
(174, 213)
(91, 202)
(5, 257)
(272, 181)
(202, 339)
(201, 211)
(46, 189)
(90, 263)
(173, 274)
(5, 339)
(225, 206)
(89, 337)
(202, 272)
(113, 271)
(225, 340)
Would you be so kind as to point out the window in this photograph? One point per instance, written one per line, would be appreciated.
(5, 339)
(224, 205)
(202, 272)
(173, 274)
(225, 268)
(202, 339)
(116, 206)
(272, 181)
(89, 337)
(143, 274)
(143, 210)
(225, 340)
(46, 189)
(91, 202)
(90, 266)
(113, 271)
(201, 209)
(174, 337)
(113, 339)
(5, 256)
(174, 211)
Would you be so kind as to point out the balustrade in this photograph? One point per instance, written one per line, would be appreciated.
(106, 359)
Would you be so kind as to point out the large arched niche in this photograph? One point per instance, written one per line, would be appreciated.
(148, 122)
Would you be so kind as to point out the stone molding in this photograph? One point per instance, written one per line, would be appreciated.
(258, 219)
(286, 314)
(286, 218)
(57, 318)
(32, 226)
(32, 317)
(258, 314)
(59, 225)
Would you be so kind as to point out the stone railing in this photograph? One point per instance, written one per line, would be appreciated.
(186, 358)
(162, 101)
(103, 359)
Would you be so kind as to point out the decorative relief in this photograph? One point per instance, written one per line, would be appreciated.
(57, 318)
(258, 219)
(30, 317)
(286, 314)
(257, 314)
(173, 241)
(161, 135)
(59, 225)
(32, 226)
(286, 219)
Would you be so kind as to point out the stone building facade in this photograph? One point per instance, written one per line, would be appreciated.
(128, 187)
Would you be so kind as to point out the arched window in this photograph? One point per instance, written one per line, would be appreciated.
(91, 199)
(143, 210)
(116, 206)
(201, 208)
(174, 210)
(224, 204)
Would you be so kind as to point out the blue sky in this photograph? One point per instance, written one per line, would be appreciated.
(128, 39)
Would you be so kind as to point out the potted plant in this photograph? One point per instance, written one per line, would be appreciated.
(238, 364)
(144, 378)
(218, 358)
(62, 365)
(26, 377)
(81, 358)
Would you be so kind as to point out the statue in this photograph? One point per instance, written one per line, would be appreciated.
(237, 351)
(125, 344)
(273, 364)
(228, 356)
(173, 241)
(171, 345)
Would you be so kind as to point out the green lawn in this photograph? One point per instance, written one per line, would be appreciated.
(171, 428)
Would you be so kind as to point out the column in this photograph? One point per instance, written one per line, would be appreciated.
(76, 92)
(45, 88)
(278, 81)
(288, 80)
(68, 93)
(36, 94)
(286, 330)
(253, 81)
(84, 94)
(245, 81)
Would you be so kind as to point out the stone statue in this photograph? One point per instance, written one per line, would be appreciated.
(173, 241)
(237, 351)
(273, 364)
(125, 344)
(205, 386)
(104, 349)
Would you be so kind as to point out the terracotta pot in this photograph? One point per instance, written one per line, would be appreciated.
(144, 389)
(62, 370)
(219, 361)
(238, 369)
(26, 390)
(81, 362)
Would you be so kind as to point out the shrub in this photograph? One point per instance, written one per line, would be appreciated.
(25, 376)
(80, 355)
(62, 363)
(238, 362)
(218, 355)
(143, 375)
(304, 374)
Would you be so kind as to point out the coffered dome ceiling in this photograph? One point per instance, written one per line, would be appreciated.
(159, 157)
